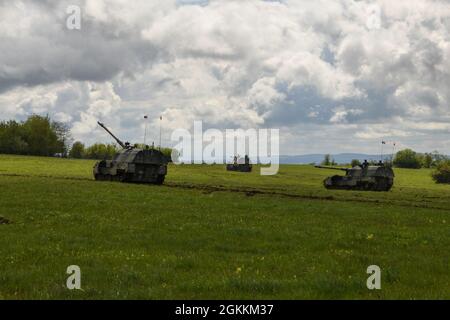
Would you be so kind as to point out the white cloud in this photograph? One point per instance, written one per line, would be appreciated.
(296, 64)
(342, 114)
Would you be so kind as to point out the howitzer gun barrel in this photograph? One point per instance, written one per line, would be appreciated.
(332, 168)
(112, 135)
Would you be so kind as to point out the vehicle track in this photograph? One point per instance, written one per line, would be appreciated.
(248, 191)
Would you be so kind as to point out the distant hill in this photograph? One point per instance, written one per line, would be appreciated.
(342, 158)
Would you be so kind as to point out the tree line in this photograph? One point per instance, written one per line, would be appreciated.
(409, 159)
(95, 151)
(413, 160)
(41, 136)
(406, 158)
(103, 151)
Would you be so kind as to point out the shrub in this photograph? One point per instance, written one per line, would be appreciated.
(101, 151)
(167, 153)
(427, 160)
(77, 151)
(355, 163)
(407, 159)
(328, 161)
(442, 173)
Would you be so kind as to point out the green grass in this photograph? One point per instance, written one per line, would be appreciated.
(208, 233)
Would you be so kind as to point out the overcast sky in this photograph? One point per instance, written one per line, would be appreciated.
(333, 76)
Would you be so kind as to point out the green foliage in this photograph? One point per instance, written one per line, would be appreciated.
(101, 151)
(427, 160)
(167, 153)
(36, 136)
(355, 163)
(442, 172)
(62, 131)
(407, 159)
(437, 157)
(77, 151)
(12, 138)
(328, 161)
(40, 136)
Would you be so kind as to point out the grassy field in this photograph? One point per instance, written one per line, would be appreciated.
(208, 233)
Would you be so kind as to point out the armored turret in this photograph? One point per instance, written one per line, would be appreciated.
(364, 177)
(132, 164)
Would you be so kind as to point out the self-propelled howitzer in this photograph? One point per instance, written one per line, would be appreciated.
(132, 164)
(238, 166)
(363, 177)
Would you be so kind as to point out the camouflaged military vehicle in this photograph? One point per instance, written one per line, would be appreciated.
(363, 177)
(132, 165)
(240, 167)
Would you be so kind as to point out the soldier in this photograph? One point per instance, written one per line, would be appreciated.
(365, 164)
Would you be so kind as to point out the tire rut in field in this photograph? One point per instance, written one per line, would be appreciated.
(4, 221)
(250, 192)
(245, 190)
(44, 176)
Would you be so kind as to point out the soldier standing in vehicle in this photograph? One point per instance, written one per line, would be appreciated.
(365, 164)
